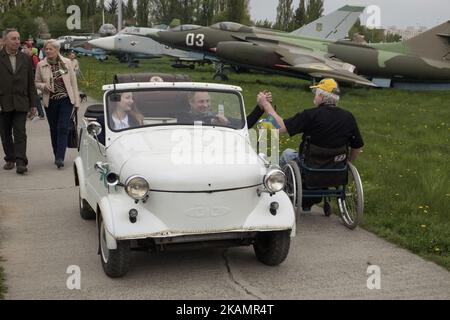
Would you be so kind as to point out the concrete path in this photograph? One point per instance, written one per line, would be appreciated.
(42, 234)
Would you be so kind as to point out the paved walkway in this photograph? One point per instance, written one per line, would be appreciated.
(42, 234)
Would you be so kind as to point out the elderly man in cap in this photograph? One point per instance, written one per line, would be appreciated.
(326, 125)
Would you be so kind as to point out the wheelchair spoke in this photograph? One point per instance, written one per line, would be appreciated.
(351, 206)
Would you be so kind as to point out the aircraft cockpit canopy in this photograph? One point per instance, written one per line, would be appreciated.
(131, 30)
(186, 27)
(231, 26)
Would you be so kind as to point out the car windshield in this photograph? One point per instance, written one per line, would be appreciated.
(163, 107)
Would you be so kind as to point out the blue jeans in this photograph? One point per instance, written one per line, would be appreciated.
(58, 115)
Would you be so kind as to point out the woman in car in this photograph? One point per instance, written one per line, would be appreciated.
(123, 114)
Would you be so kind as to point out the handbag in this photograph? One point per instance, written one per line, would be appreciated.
(72, 138)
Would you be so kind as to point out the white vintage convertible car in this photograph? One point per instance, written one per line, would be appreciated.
(176, 166)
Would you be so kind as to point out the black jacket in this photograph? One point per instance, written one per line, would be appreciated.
(17, 91)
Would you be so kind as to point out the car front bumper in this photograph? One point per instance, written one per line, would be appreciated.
(168, 215)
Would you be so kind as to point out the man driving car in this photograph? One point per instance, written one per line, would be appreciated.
(200, 103)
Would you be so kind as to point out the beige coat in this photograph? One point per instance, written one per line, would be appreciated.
(44, 74)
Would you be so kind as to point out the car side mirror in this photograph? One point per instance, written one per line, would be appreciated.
(94, 128)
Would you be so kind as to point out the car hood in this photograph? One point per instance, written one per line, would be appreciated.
(188, 160)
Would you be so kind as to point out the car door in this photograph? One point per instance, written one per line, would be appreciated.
(94, 152)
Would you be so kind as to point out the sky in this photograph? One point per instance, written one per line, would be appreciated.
(400, 13)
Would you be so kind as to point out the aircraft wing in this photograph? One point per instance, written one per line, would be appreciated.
(321, 70)
(334, 26)
(316, 64)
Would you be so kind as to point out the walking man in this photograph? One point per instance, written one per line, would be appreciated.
(17, 98)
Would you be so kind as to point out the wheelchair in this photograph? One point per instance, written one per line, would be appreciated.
(326, 173)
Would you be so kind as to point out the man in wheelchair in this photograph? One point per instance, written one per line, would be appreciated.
(330, 134)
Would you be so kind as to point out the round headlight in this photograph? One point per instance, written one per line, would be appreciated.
(274, 180)
(137, 187)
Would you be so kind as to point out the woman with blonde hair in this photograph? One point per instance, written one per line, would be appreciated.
(56, 79)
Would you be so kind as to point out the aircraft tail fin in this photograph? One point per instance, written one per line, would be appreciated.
(432, 44)
(334, 26)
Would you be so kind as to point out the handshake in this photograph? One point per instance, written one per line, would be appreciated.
(264, 101)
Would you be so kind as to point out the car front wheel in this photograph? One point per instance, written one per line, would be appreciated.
(115, 263)
(272, 248)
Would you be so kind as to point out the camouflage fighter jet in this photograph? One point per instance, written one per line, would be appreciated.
(425, 58)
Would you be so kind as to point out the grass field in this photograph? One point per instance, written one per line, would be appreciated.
(405, 165)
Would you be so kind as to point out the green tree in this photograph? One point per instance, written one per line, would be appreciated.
(186, 11)
(267, 24)
(164, 11)
(238, 11)
(142, 13)
(205, 12)
(161, 11)
(22, 20)
(390, 37)
(284, 15)
(113, 6)
(300, 15)
(42, 27)
(314, 10)
(92, 8)
(57, 26)
(129, 13)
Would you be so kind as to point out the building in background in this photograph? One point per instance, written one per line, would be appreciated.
(408, 33)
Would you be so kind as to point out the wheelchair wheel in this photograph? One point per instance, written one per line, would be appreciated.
(352, 206)
(293, 187)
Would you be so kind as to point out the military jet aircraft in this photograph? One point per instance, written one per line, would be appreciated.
(260, 49)
(129, 41)
(425, 58)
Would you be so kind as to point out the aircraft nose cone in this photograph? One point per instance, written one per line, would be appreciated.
(106, 43)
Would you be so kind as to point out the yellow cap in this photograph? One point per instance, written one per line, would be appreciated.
(328, 85)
